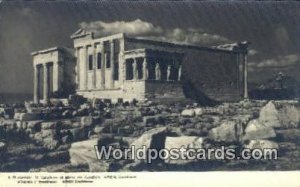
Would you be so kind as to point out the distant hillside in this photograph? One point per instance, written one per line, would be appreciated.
(281, 86)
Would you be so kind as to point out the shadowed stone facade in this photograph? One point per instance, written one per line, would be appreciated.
(120, 67)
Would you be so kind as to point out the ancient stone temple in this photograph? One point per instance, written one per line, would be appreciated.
(53, 72)
(119, 67)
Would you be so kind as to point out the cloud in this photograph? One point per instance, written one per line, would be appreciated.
(133, 28)
(279, 62)
(191, 36)
(253, 52)
(143, 29)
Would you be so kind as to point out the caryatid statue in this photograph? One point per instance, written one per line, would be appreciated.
(179, 73)
(134, 65)
(145, 69)
(157, 72)
(168, 73)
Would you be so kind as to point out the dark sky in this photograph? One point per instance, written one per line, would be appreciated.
(273, 28)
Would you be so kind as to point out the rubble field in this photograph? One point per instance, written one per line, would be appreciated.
(60, 137)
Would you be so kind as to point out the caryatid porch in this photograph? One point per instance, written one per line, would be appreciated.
(155, 65)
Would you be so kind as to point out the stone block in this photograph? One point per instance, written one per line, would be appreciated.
(98, 129)
(49, 125)
(185, 142)
(228, 131)
(188, 113)
(86, 121)
(158, 119)
(289, 117)
(28, 116)
(83, 152)
(50, 143)
(261, 144)
(34, 124)
(198, 111)
(154, 138)
(269, 115)
(256, 130)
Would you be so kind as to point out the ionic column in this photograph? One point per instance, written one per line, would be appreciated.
(112, 64)
(102, 66)
(56, 76)
(145, 69)
(94, 64)
(85, 68)
(36, 98)
(245, 77)
(134, 69)
(77, 66)
(46, 83)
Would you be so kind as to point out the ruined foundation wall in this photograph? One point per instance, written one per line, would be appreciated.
(131, 90)
(162, 89)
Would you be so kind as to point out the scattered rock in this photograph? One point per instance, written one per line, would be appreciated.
(83, 152)
(289, 117)
(188, 113)
(50, 143)
(98, 129)
(86, 121)
(154, 138)
(48, 125)
(27, 116)
(158, 119)
(261, 144)
(34, 124)
(256, 130)
(228, 131)
(198, 111)
(269, 115)
(47, 133)
(186, 142)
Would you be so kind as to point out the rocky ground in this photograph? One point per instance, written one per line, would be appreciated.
(61, 137)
